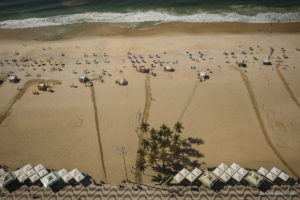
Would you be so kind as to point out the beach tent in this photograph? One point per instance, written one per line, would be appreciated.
(243, 171)
(235, 166)
(275, 171)
(26, 168)
(83, 79)
(22, 178)
(184, 172)
(263, 171)
(62, 172)
(238, 177)
(30, 172)
(66, 178)
(2, 171)
(283, 176)
(254, 179)
(49, 179)
(197, 172)
(34, 178)
(208, 179)
(39, 167)
(230, 171)
(18, 172)
(225, 177)
(191, 177)
(6, 178)
(79, 177)
(43, 172)
(223, 166)
(74, 172)
(178, 178)
(271, 176)
(218, 172)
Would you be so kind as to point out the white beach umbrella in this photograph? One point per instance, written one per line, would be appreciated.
(74, 172)
(223, 166)
(62, 172)
(79, 177)
(26, 168)
(263, 171)
(30, 172)
(178, 178)
(218, 172)
(191, 177)
(39, 167)
(43, 172)
(66, 178)
(184, 172)
(197, 172)
(34, 178)
(230, 171)
(275, 171)
(283, 176)
(243, 171)
(225, 177)
(235, 166)
(22, 178)
(18, 172)
(238, 177)
(271, 176)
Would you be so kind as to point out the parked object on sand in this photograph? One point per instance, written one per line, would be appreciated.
(169, 69)
(13, 79)
(83, 79)
(34, 92)
(143, 69)
(241, 63)
(267, 61)
(122, 81)
(202, 76)
(88, 84)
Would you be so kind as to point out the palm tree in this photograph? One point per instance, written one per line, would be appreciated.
(152, 159)
(146, 144)
(153, 134)
(163, 156)
(178, 127)
(145, 127)
(153, 147)
(140, 164)
(142, 152)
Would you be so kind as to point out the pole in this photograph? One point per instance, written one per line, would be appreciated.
(123, 151)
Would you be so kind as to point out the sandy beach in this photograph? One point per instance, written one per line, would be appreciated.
(250, 116)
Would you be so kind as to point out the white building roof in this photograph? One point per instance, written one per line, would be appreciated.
(235, 166)
(184, 172)
(271, 176)
(30, 172)
(275, 171)
(197, 172)
(18, 172)
(218, 172)
(39, 167)
(230, 171)
(26, 168)
(283, 176)
(2, 171)
(22, 178)
(191, 177)
(254, 178)
(62, 172)
(225, 177)
(43, 172)
(74, 172)
(178, 178)
(238, 177)
(49, 179)
(263, 171)
(79, 177)
(66, 178)
(223, 166)
(34, 178)
(243, 171)
(208, 178)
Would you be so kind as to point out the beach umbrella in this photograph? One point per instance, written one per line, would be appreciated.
(74, 172)
(178, 178)
(62, 172)
(79, 177)
(43, 172)
(238, 177)
(275, 171)
(191, 177)
(22, 178)
(184, 172)
(243, 171)
(230, 171)
(271, 176)
(30, 172)
(225, 177)
(66, 178)
(18, 172)
(26, 168)
(235, 166)
(218, 172)
(263, 171)
(34, 178)
(221, 166)
(283, 176)
(197, 172)
(39, 167)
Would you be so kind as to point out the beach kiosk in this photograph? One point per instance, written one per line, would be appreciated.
(208, 179)
(254, 179)
(49, 179)
(6, 178)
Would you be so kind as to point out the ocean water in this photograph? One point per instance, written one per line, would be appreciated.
(35, 13)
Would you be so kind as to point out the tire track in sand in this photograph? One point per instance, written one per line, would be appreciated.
(97, 128)
(287, 87)
(148, 98)
(188, 101)
(261, 123)
(19, 95)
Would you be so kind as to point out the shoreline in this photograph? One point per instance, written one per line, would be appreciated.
(52, 33)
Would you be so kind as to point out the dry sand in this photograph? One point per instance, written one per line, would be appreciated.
(59, 130)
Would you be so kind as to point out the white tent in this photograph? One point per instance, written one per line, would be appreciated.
(22, 178)
(30, 172)
(238, 177)
(66, 178)
(254, 179)
(18, 172)
(49, 179)
(271, 176)
(74, 172)
(197, 172)
(178, 178)
(34, 178)
(208, 178)
(39, 167)
(235, 166)
(243, 171)
(191, 177)
(184, 172)
(43, 172)
(225, 177)
(223, 166)
(26, 168)
(283, 176)
(275, 171)
(230, 171)
(79, 177)
(62, 172)
(2, 171)
(218, 172)
(263, 171)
